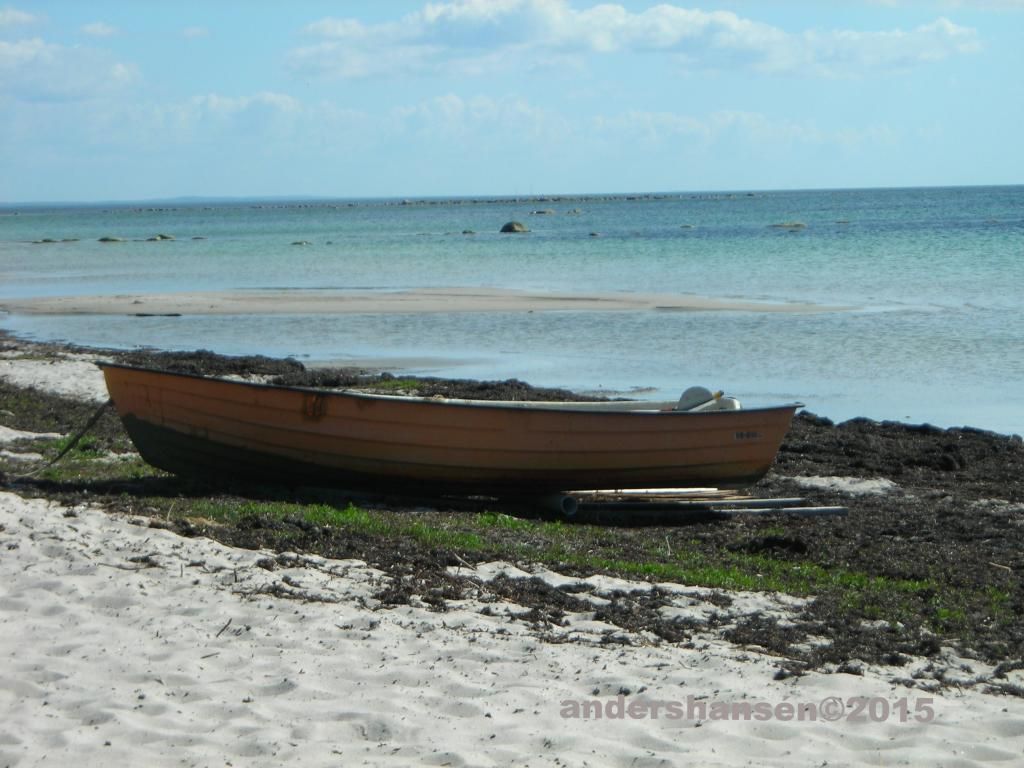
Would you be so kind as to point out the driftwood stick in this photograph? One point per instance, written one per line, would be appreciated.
(125, 567)
(461, 560)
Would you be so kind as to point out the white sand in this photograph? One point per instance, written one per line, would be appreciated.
(851, 486)
(122, 644)
(8, 435)
(67, 374)
(375, 302)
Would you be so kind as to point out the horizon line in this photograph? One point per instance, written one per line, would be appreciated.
(196, 199)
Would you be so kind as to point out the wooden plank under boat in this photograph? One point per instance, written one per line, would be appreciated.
(197, 425)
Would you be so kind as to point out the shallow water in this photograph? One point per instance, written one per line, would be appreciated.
(936, 332)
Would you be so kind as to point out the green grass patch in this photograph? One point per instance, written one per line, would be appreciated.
(88, 468)
(87, 447)
(433, 536)
(555, 543)
(503, 521)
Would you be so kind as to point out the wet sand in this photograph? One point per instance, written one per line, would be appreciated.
(302, 301)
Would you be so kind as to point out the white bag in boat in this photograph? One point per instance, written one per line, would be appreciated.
(703, 399)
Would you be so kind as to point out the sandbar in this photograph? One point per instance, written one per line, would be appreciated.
(422, 300)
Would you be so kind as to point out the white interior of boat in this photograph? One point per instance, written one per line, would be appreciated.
(693, 400)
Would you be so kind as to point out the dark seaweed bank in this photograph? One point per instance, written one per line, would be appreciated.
(935, 562)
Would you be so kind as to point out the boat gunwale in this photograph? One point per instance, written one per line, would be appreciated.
(634, 407)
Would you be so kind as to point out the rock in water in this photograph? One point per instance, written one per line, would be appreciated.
(514, 226)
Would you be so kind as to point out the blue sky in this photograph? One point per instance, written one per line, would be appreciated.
(121, 100)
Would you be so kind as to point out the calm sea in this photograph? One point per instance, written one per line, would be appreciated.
(934, 277)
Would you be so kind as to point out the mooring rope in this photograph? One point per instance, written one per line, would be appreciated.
(70, 446)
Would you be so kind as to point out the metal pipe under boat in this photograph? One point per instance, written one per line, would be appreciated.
(560, 504)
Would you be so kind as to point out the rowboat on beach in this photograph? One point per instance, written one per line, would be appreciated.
(197, 425)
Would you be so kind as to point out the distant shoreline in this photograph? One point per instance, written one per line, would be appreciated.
(288, 201)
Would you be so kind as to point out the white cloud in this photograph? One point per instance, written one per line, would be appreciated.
(999, 5)
(228, 106)
(10, 17)
(452, 120)
(895, 49)
(483, 117)
(975, 5)
(268, 121)
(650, 127)
(99, 29)
(272, 141)
(234, 118)
(34, 70)
(732, 127)
(478, 37)
(337, 28)
(191, 33)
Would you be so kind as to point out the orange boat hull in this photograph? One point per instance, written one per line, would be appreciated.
(193, 425)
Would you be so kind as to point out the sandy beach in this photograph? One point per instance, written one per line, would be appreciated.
(125, 642)
(128, 644)
(382, 302)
